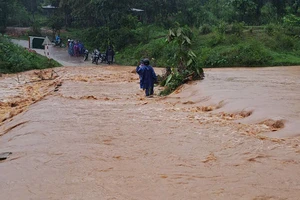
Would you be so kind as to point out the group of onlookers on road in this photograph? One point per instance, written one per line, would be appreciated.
(75, 48)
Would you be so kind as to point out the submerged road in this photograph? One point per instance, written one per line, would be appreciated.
(91, 134)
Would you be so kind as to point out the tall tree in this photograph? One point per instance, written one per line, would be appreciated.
(6, 10)
(245, 10)
(280, 6)
(31, 6)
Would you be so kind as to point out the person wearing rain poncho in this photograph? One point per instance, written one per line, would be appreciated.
(141, 64)
(147, 77)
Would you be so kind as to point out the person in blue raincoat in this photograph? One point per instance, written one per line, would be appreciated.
(147, 77)
(57, 39)
(141, 64)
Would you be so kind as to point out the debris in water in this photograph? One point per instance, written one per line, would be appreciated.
(89, 97)
(4, 155)
(274, 124)
(210, 157)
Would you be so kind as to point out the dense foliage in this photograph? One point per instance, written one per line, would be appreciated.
(118, 17)
(15, 59)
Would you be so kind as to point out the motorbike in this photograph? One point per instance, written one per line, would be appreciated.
(85, 55)
(95, 57)
(58, 43)
(102, 57)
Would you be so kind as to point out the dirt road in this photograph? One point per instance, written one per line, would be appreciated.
(90, 134)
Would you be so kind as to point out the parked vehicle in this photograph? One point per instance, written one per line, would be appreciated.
(95, 56)
(102, 58)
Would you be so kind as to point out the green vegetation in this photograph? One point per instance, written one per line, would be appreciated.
(252, 46)
(15, 59)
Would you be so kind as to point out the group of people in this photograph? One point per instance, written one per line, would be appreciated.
(147, 77)
(75, 48)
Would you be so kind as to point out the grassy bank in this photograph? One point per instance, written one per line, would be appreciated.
(17, 59)
(232, 45)
(244, 48)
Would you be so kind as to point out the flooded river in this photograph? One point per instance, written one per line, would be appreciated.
(271, 94)
(89, 134)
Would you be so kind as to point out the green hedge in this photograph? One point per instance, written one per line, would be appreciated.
(16, 59)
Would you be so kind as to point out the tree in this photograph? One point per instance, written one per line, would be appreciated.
(56, 23)
(6, 10)
(65, 7)
(280, 6)
(293, 6)
(268, 13)
(245, 10)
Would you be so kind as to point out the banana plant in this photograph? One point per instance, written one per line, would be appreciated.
(184, 58)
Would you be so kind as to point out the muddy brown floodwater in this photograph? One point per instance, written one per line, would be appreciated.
(270, 95)
(89, 134)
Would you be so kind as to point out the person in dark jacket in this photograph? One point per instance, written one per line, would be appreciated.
(147, 77)
(110, 55)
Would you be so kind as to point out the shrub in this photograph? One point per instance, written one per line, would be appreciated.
(216, 39)
(205, 29)
(214, 58)
(292, 30)
(284, 42)
(245, 54)
(252, 54)
(221, 27)
(292, 20)
(173, 82)
(271, 29)
(237, 28)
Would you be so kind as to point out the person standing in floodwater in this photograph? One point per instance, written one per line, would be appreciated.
(147, 77)
(141, 64)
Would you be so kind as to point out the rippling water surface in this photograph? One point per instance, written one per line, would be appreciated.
(90, 134)
(271, 93)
